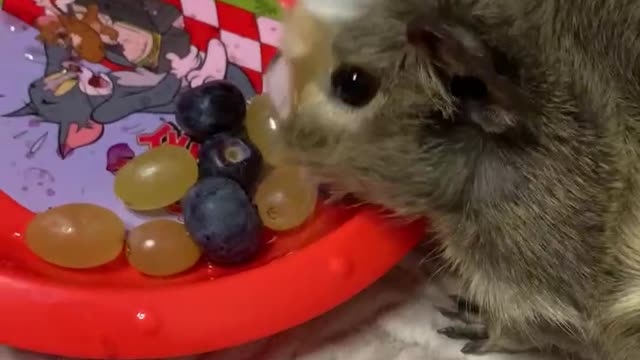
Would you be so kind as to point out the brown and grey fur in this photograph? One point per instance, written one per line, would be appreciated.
(534, 192)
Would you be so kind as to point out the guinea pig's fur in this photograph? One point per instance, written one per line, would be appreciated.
(515, 126)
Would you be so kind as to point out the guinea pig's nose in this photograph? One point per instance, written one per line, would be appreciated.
(419, 35)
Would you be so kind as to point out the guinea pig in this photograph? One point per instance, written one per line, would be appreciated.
(515, 127)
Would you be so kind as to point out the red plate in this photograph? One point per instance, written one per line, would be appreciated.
(63, 147)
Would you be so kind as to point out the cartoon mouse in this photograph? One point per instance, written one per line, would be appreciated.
(148, 30)
(83, 33)
(82, 101)
(151, 35)
(138, 29)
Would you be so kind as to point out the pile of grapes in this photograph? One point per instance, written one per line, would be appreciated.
(237, 185)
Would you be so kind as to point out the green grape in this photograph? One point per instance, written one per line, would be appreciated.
(285, 199)
(161, 248)
(157, 178)
(307, 70)
(313, 64)
(77, 236)
(261, 124)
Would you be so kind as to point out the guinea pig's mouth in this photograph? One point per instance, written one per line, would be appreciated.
(333, 194)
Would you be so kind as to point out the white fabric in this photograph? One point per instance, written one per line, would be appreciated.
(395, 319)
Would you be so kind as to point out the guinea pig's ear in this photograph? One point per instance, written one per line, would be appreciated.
(467, 66)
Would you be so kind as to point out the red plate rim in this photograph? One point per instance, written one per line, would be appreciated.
(185, 319)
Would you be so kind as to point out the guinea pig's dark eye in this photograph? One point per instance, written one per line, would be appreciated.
(353, 85)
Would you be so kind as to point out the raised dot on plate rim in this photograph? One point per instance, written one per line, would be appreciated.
(147, 322)
(340, 266)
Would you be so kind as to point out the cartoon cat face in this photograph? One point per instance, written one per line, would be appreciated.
(68, 98)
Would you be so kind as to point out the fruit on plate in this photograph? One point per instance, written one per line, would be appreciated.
(262, 129)
(232, 157)
(222, 220)
(156, 178)
(286, 198)
(161, 248)
(211, 108)
(76, 236)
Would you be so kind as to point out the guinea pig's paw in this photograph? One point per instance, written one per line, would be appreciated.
(480, 347)
(465, 311)
(481, 341)
(502, 345)
(474, 332)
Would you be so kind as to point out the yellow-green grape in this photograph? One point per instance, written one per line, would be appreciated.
(285, 199)
(161, 248)
(76, 236)
(157, 178)
(261, 124)
(309, 48)
(306, 70)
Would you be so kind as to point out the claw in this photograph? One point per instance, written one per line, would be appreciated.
(468, 332)
(451, 315)
(476, 347)
(489, 346)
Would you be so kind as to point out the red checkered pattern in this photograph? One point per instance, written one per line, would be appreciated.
(236, 27)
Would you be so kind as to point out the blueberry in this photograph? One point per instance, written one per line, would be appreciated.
(211, 108)
(232, 157)
(222, 221)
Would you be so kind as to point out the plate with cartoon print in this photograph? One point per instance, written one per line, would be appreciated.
(77, 103)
